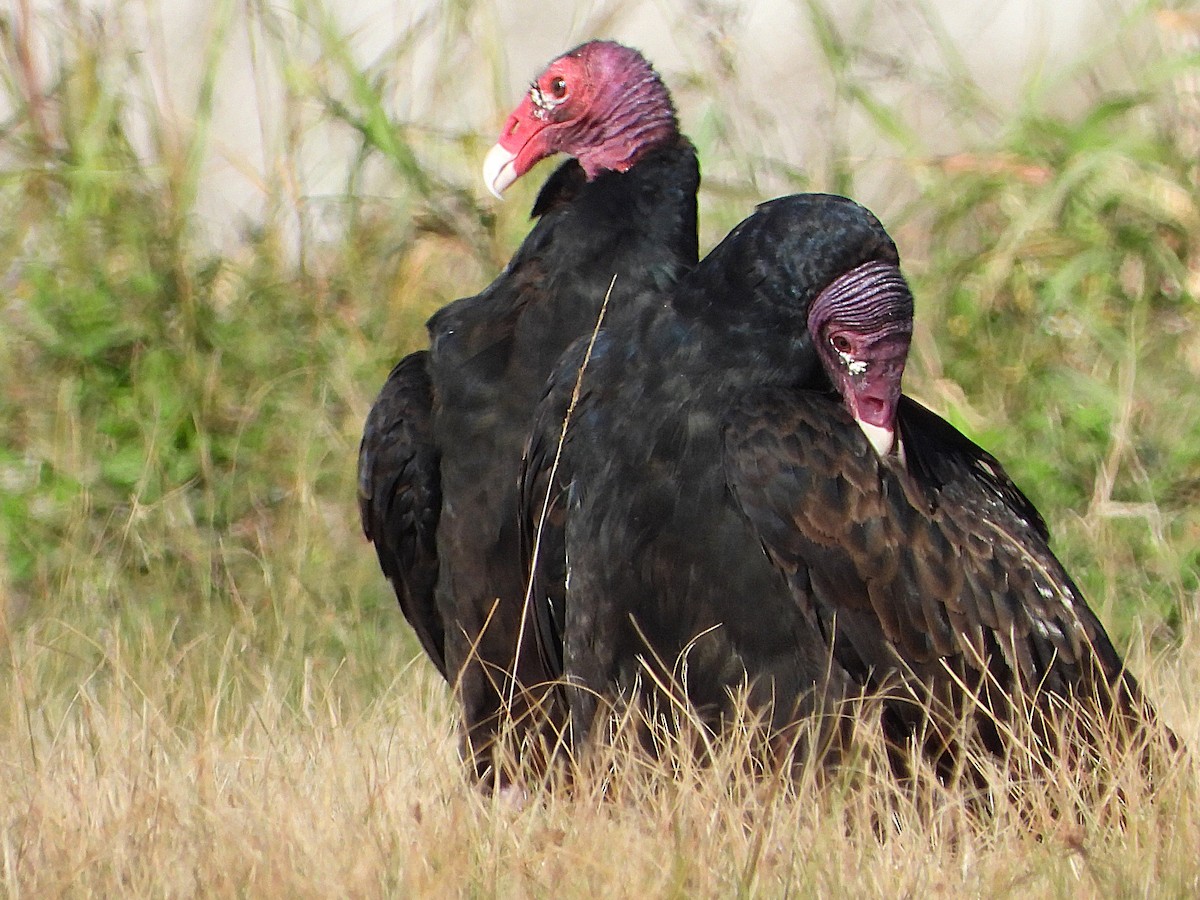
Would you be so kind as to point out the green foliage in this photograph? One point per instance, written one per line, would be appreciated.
(170, 417)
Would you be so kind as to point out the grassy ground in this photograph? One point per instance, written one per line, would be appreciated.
(205, 686)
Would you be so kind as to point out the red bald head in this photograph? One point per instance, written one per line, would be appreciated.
(602, 103)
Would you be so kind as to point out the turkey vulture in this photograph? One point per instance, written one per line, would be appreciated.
(441, 448)
(743, 504)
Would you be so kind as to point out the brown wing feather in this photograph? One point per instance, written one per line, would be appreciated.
(908, 578)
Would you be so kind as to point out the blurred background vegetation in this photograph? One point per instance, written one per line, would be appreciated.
(182, 392)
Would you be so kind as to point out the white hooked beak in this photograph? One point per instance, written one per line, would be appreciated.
(881, 438)
(499, 170)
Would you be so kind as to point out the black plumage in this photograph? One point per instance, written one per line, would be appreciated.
(718, 520)
(441, 448)
(400, 496)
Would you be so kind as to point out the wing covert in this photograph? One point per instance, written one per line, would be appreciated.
(906, 581)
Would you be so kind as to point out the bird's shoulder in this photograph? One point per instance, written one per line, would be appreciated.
(955, 470)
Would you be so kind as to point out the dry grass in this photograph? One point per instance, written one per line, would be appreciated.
(303, 790)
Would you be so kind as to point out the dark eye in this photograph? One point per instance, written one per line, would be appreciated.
(840, 343)
(558, 88)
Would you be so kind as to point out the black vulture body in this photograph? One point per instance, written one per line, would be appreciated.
(716, 521)
(441, 448)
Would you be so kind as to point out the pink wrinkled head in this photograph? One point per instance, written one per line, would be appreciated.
(861, 326)
(602, 103)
